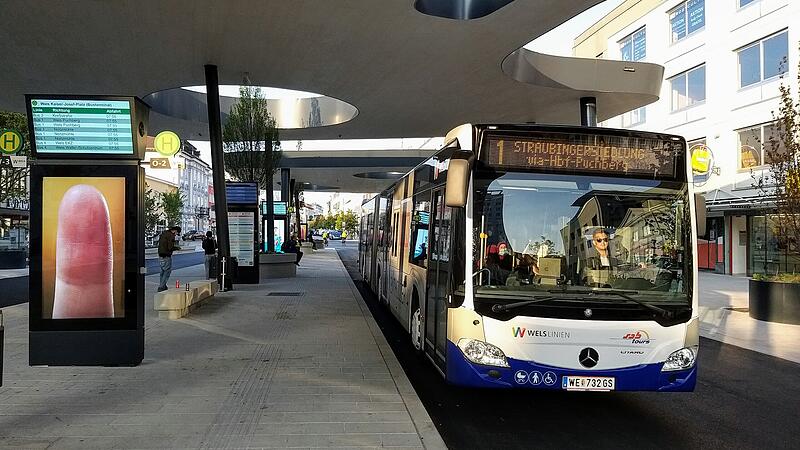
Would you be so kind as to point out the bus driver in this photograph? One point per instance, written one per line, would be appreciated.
(603, 260)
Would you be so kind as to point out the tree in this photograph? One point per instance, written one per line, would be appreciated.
(13, 181)
(152, 211)
(252, 146)
(781, 185)
(348, 222)
(172, 205)
(251, 141)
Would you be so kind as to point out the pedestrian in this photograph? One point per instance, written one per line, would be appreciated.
(210, 250)
(344, 236)
(292, 245)
(166, 245)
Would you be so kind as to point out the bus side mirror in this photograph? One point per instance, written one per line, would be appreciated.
(700, 207)
(455, 194)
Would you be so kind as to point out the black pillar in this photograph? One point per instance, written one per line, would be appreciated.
(285, 197)
(218, 167)
(296, 199)
(270, 231)
(588, 112)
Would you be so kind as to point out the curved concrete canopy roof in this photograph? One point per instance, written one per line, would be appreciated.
(407, 73)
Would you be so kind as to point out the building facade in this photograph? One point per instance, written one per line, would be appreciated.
(724, 62)
(194, 181)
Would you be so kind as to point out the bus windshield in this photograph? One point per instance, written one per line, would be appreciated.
(582, 234)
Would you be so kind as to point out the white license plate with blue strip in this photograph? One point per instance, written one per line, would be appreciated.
(573, 383)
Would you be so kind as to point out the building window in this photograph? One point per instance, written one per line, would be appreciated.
(688, 17)
(688, 88)
(764, 59)
(743, 3)
(634, 46)
(758, 144)
(635, 117)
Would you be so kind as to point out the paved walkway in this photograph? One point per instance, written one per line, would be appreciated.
(724, 317)
(256, 367)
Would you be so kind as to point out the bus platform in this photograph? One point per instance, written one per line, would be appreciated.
(288, 363)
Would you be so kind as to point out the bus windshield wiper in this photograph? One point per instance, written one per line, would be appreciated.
(625, 296)
(507, 306)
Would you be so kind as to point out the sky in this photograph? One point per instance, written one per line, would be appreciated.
(559, 40)
(556, 42)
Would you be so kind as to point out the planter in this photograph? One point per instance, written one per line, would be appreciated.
(775, 302)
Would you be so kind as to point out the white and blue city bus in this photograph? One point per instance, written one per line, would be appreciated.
(550, 257)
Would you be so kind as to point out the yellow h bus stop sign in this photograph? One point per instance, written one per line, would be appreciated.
(702, 159)
(167, 143)
(10, 142)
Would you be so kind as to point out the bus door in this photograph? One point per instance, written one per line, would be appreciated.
(438, 279)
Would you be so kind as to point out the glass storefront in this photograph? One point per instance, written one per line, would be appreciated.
(768, 253)
(711, 246)
(13, 240)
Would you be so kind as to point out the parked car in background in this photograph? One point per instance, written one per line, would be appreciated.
(193, 235)
(334, 234)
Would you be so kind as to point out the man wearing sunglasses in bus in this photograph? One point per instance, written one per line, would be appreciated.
(603, 260)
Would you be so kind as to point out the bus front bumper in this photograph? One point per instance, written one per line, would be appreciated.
(530, 375)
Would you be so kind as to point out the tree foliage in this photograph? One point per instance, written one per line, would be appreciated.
(152, 211)
(250, 137)
(13, 181)
(172, 206)
(343, 220)
(781, 185)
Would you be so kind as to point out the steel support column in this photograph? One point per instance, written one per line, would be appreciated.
(588, 112)
(218, 170)
(285, 197)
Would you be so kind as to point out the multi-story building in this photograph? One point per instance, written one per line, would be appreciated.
(194, 181)
(724, 62)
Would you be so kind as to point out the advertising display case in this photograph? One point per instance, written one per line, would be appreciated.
(86, 287)
(86, 281)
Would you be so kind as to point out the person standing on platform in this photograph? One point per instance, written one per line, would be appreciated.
(210, 250)
(166, 245)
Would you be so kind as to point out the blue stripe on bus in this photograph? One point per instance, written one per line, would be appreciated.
(645, 377)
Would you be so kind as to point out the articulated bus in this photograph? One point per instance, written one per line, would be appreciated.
(550, 257)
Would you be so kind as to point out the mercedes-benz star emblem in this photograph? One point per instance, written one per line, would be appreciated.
(588, 357)
(587, 313)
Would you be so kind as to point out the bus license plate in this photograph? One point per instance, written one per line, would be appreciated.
(588, 383)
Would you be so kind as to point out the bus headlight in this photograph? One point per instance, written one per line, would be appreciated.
(680, 359)
(481, 352)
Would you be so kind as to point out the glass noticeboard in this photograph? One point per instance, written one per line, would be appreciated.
(241, 226)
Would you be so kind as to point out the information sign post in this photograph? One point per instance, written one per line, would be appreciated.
(243, 230)
(86, 230)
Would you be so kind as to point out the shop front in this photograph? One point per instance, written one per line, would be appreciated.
(14, 234)
(768, 252)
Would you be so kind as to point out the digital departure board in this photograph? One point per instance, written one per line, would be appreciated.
(82, 126)
(278, 208)
(572, 152)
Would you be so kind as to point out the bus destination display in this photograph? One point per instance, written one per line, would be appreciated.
(585, 153)
(82, 126)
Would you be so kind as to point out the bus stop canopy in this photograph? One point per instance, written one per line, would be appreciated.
(406, 73)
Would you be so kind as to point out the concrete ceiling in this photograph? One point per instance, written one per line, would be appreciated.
(349, 170)
(408, 74)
